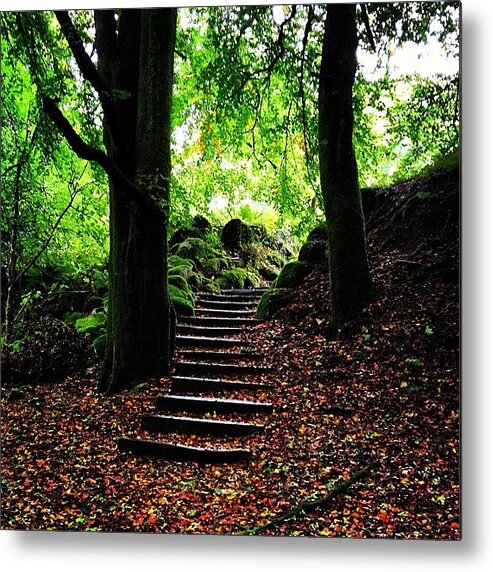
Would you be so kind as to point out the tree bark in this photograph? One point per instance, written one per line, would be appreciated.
(350, 280)
(137, 60)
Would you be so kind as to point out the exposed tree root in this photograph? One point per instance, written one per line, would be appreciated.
(309, 506)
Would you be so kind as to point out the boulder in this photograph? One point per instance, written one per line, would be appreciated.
(270, 302)
(314, 252)
(201, 226)
(292, 274)
(236, 234)
(318, 233)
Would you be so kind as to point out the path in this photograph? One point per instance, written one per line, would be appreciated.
(213, 356)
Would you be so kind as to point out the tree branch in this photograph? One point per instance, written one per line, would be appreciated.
(268, 69)
(91, 74)
(366, 22)
(89, 153)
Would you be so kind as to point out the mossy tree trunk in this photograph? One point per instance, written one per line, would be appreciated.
(136, 60)
(348, 261)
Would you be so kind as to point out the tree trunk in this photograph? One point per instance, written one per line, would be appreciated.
(138, 62)
(348, 262)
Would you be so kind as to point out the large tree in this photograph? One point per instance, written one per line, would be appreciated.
(133, 81)
(350, 282)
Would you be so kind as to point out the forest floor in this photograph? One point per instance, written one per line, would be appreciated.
(387, 391)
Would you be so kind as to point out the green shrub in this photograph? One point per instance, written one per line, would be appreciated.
(47, 351)
(292, 275)
(71, 317)
(92, 324)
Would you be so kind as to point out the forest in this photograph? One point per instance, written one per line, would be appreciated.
(230, 270)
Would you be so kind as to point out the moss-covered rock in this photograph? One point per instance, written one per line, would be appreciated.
(182, 307)
(314, 252)
(238, 278)
(270, 302)
(236, 234)
(182, 284)
(182, 300)
(268, 273)
(182, 234)
(292, 275)
(213, 266)
(201, 226)
(318, 233)
(195, 249)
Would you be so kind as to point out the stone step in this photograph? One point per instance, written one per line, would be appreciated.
(251, 299)
(214, 368)
(224, 304)
(194, 355)
(210, 405)
(204, 341)
(201, 384)
(216, 321)
(243, 291)
(197, 426)
(208, 331)
(172, 452)
(220, 313)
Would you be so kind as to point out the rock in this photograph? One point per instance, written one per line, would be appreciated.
(201, 226)
(270, 302)
(318, 233)
(314, 252)
(182, 307)
(267, 273)
(238, 278)
(292, 274)
(236, 234)
(181, 235)
(180, 283)
(195, 249)
(182, 300)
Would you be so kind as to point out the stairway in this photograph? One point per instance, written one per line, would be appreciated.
(212, 357)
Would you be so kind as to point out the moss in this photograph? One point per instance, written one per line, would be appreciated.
(270, 302)
(195, 249)
(292, 275)
(92, 324)
(182, 307)
(214, 265)
(238, 278)
(314, 252)
(182, 284)
(175, 260)
(175, 292)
